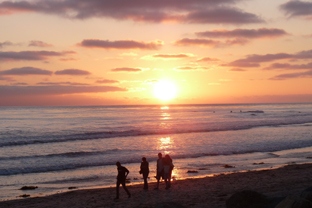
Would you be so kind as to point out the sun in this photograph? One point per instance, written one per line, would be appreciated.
(165, 90)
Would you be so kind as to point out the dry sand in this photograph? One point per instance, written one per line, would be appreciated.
(209, 192)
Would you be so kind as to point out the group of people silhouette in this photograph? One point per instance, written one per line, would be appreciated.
(164, 169)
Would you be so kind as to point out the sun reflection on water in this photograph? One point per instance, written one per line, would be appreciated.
(164, 144)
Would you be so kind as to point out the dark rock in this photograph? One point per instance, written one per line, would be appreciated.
(29, 187)
(294, 202)
(24, 195)
(307, 194)
(228, 166)
(192, 171)
(247, 199)
(260, 163)
(72, 187)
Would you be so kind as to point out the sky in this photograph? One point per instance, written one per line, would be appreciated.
(116, 52)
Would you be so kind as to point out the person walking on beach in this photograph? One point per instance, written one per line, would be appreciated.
(144, 170)
(168, 167)
(121, 179)
(159, 169)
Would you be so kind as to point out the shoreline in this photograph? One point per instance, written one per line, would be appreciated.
(192, 192)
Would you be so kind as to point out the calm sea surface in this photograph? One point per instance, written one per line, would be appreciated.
(55, 148)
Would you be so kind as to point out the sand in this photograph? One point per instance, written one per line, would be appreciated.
(209, 192)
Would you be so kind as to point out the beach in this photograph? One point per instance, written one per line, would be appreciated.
(198, 192)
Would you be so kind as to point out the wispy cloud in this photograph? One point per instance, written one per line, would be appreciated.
(37, 71)
(244, 33)
(298, 8)
(120, 44)
(195, 11)
(62, 83)
(286, 66)
(5, 43)
(172, 56)
(255, 60)
(31, 55)
(55, 90)
(221, 14)
(75, 72)
(37, 43)
(126, 69)
(207, 59)
(305, 74)
(26, 71)
(106, 81)
(198, 42)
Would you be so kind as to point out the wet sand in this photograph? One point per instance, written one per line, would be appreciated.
(209, 192)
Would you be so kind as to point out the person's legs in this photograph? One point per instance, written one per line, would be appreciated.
(158, 178)
(117, 189)
(125, 188)
(145, 181)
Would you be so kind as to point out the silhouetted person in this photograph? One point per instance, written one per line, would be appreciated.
(144, 170)
(159, 169)
(168, 167)
(121, 179)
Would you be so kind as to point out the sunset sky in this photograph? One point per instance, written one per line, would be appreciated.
(114, 52)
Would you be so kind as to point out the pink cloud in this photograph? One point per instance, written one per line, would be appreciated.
(286, 66)
(37, 43)
(207, 59)
(55, 90)
(75, 72)
(106, 81)
(305, 74)
(243, 33)
(120, 44)
(171, 56)
(126, 69)
(25, 71)
(195, 11)
(30, 55)
(200, 42)
(298, 9)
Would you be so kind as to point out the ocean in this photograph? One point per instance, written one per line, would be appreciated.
(63, 148)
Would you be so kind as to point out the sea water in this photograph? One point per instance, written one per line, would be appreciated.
(56, 148)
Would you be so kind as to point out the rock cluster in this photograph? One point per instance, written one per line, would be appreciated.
(253, 199)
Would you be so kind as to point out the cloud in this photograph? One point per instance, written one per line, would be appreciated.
(225, 15)
(200, 42)
(55, 90)
(172, 56)
(106, 81)
(37, 43)
(191, 68)
(25, 71)
(5, 78)
(305, 74)
(75, 72)
(31, 55)
(298, 9)
(126, 69)
(5, 43)
(289, 66)
(244, 33)
(237, 69)
(207, 59)
(186, 11)
(255, 60)
(120, 44)
(61, 83)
